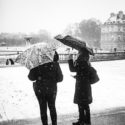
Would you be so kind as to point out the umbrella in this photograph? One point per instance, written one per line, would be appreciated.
(74, 43)
(36, 55)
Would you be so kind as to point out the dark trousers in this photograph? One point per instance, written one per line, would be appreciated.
(46, 97)
(84, 113)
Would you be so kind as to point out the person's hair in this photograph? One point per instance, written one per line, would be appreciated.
(56, 57)
(85, 54)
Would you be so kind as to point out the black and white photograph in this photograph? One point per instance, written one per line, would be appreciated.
(62, 62)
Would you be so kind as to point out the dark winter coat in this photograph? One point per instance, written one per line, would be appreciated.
(50, 74)
(83, 94)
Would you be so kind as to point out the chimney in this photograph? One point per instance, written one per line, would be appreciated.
(120, 14)
(112, 14)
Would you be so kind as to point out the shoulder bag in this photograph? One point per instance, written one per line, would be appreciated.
(93, 76)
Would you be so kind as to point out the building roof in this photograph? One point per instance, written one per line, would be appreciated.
(114, 18)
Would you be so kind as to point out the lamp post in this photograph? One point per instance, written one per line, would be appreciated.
(28, 39)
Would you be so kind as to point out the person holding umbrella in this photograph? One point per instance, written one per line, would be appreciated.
(45, 87)
(83, 93)
(41, 59)
(85, 76)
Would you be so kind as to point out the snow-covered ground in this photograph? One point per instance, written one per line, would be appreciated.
(17, 99)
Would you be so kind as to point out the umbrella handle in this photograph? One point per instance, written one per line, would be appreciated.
(70, 56)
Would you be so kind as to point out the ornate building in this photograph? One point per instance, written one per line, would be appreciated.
(113, 33)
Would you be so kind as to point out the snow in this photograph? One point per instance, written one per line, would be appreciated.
(17, 98)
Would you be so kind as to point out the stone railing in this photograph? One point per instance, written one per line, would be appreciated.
(64, 56)
(97, 56)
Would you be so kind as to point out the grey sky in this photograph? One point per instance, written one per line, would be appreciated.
(52, 15)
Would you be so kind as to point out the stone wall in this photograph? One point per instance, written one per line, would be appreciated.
(63, 58)
(97, 57)
(108, 56)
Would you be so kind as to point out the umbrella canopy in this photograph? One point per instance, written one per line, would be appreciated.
(36, 55)
(74, 43)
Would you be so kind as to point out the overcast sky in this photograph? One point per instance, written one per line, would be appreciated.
(53, 15)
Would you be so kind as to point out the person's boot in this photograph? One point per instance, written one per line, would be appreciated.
(44, 120)
(54, 123)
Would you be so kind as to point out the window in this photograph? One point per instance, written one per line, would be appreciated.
(115, 28)
(119, 28)
(123, 28)
(119, 37)
(112, 37)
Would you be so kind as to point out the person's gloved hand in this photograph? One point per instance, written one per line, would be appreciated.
(70, 56)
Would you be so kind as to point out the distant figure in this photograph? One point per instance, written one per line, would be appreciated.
(115, 49)
(7, 62)
(46, 77)
(11, 61)
(83, 94)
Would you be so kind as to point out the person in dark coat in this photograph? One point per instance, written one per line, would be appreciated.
(83, 94)
(46, 77)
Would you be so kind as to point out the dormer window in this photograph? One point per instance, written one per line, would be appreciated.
(119, 37)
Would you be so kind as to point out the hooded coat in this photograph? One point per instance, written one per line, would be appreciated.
(50, 74)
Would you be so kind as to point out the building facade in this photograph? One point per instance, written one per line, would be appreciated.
(113, 33)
